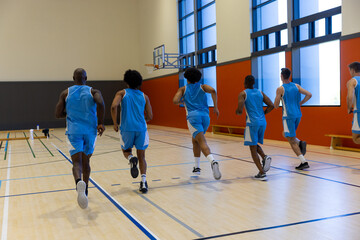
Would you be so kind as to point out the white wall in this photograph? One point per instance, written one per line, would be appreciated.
(233, 29)
(48, 39)
(350, 17)
(158, 25)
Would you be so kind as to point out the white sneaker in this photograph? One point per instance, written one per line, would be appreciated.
(215, 169)
(82, 198)
(266, 163)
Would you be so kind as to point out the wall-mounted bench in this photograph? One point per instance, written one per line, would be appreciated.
(228, 130)
(337, 143)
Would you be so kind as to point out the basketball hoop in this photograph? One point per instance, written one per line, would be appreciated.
(151, 67)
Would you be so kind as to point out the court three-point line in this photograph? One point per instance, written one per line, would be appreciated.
(6, 202)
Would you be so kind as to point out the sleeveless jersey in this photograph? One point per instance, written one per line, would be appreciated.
(357, 95)
(132, 111)
(80, 108)
(195, 100)
(291, 101)
(254, 108)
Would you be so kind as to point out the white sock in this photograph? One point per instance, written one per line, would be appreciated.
(210, 157)
(143, 178)
(197, 162)
(129, 157)
(302, 158)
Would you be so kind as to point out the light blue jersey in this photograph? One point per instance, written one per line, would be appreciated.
(132, 111)
(356, 121)
(80, 108)
(195, 100)
(254, 108)
(291, 101)
(357, 95)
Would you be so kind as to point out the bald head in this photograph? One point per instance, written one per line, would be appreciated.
(80, 75)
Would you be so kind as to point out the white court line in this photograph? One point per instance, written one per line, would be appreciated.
(136, 222)
(6, 201)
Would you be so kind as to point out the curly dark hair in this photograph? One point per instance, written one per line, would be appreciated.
(193, 75)
(133, 78)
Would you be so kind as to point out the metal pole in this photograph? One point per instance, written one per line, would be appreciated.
(196, 32)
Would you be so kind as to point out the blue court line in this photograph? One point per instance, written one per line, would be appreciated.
(115, 184)
(332, 164)
(283, 169)
(35, 193)
(176, 178)
(117, 205)
(279, 226)
(156, 180)
(57, 138)
(169, 215)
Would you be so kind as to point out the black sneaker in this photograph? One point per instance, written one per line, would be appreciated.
(302, 146)
(302, 166)
(143, 187)
(196, 171)
(261, 177)
(133, 167)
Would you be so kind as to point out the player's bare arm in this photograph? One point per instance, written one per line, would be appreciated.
(116, 102)
(279, 94)
(307, 94)
(178, 95)
(268, 102)
(148, 110)
(100, 110)
(241, 103)
(351, 84)
(212, 91)
(60, 106)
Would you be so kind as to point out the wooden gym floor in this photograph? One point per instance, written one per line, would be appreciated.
(38, 200)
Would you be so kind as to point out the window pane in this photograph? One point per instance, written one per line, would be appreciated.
(320, 72)
(207, 37)
(304, 32)
(204, 2)
(207, 16)
(320, 28)
(187, 44)
(284, 37)
(189, 6)
(266, 70)
(264, 16)
(309, 7)
(336, 23)
(272, 41)
(209, 78)
(187, 25)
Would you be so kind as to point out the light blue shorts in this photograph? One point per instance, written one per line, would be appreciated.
(198, 124)
(138, 139)
(81, 143)
(356, 123)
(290, 126)
(254, 135)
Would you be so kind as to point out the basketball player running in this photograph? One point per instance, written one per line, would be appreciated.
(133, 128)
(290, 95)
(84, 110)
(353, 99)
(252, 99)
(193, 96)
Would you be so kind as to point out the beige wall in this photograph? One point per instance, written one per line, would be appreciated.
(233, 29)
(48, 39)
(158, 25)
(351, 17)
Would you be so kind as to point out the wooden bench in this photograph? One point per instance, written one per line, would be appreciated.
(337, 143)
(228, 130)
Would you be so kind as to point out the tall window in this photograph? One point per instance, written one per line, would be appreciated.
(315, 32)
(197, 39)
